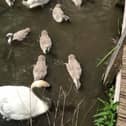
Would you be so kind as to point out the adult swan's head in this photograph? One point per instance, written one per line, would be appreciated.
(20, 102)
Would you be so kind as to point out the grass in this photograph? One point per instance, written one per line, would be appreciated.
(73, 120)
(106, 115)
(105, 57)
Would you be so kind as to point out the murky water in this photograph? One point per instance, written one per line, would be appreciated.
(88, 36)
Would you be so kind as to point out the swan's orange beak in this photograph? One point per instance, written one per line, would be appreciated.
(40, 83)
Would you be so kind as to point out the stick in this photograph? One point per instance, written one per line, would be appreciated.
(64, 102)
(69, 91)
(30, 109)
(76, 113)
(9, 53)
(105, 57)
(57, 106)
(49, 122)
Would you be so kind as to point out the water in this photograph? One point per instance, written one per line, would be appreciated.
(88, 36)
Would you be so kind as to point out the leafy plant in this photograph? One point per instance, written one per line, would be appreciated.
(106, 115)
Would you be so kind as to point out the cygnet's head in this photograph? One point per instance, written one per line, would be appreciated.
(58, 5)
(39, 84)
(71, 56)
(41, 58)
(44, 32)
(28, 29)
(9, 37)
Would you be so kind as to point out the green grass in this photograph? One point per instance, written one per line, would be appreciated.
(106, 115)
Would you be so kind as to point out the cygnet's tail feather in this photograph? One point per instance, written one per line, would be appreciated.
(77, 83)
(25, 3)
(66, 18)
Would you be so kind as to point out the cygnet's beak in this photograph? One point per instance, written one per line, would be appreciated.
(9, 40)
(9, 37)
(40, 83)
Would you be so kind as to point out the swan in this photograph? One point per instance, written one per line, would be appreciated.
(40, 68)
(74, 69)
(10, 3)
(20, 102)
(77, 3)
(45, 41)
(58, 14)
(34, 3)
(18, 36)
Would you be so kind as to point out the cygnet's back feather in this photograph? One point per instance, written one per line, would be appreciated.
(34, 3)
(58, 14)
(40, 68)
(45, 42)
(74, 70)
(21, 35)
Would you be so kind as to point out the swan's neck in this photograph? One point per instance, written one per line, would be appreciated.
(39, 107)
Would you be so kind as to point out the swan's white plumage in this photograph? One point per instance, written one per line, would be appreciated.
(19, 103)
(34, 3)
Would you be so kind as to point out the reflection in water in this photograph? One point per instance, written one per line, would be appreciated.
(88, 36)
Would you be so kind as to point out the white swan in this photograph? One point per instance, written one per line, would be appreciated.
(40, 68)
(34, 3)
(58, 14)
(18, 36)
(45, 42)
(20, 102)
(74, 70)
(77, 3)
(10, 3)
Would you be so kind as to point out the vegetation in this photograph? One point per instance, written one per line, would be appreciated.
(106, 115)
(105, 57)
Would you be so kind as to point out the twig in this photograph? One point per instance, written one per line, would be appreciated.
(105, 57)
(30, 109)
(69, 91)
(67, 121)
(49, 122)
(65, 95)
(64, 102)
(87, 112)
(74, 116)
(9, 54)
(57, 106)
(76, 113)
(30, 121)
